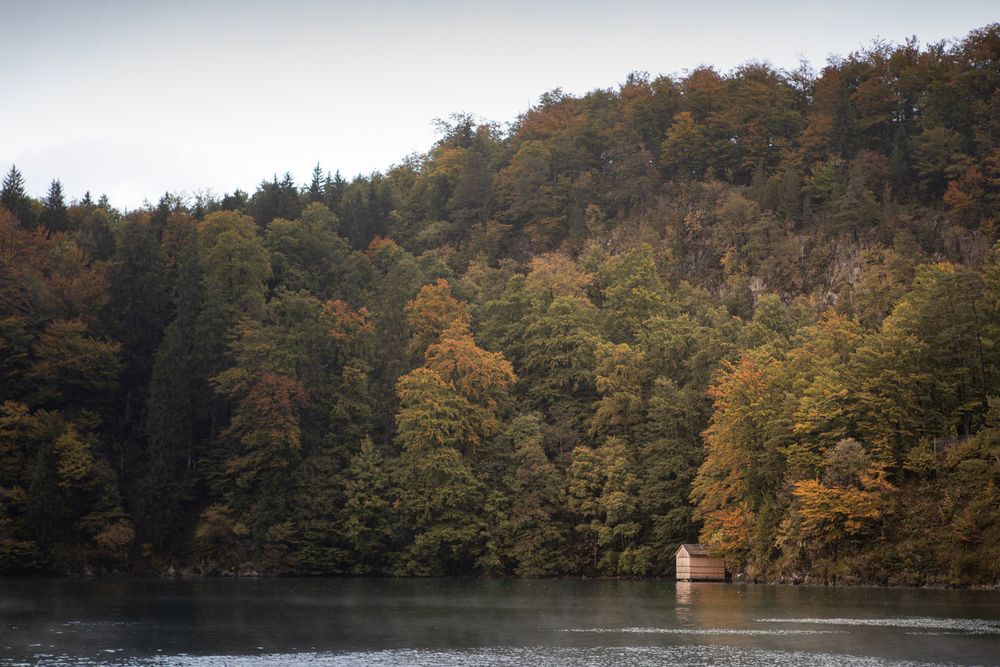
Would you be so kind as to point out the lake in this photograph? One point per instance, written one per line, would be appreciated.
(392, 622)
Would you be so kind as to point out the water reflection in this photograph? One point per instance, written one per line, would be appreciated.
(682, 594)
(453, 622)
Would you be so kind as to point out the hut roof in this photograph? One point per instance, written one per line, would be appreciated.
(693, 549)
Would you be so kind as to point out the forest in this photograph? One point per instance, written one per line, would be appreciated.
(758, 309)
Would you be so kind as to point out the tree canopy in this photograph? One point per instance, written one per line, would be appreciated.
(758, 309)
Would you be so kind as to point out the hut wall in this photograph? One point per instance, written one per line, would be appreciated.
(700, 568)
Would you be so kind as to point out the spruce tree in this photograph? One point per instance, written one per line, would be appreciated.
(55, 217)
(315, 191)
(14, 198)
(333, 192)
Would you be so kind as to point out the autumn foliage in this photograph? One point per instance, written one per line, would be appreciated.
(758, 309)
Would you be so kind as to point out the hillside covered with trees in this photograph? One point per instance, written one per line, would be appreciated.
(758, 308)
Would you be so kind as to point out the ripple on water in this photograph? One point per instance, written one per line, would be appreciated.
(746, 632)
(964, 625)
(686, 656)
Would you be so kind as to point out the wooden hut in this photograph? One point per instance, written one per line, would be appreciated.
(694, 564)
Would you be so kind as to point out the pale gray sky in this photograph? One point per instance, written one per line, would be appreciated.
(134, 99)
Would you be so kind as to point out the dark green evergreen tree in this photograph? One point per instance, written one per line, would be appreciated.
(176, 424)
(55, 216)
(315, 192)
(139, 312)
(15, 199)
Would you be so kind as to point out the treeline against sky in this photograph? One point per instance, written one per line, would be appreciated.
(758, 309)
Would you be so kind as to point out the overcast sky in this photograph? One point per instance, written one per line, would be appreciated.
(134, 99)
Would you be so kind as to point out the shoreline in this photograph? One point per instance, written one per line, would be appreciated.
(192, 576)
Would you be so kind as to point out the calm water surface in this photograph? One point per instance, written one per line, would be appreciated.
(347, 622)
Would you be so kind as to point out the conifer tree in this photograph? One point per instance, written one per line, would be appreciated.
(14, 198)
(315, 191)
(55, 216)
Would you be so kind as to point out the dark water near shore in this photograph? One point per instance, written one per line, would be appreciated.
(384, 622)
